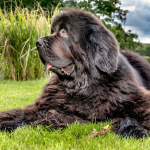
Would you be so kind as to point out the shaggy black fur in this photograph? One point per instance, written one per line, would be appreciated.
(92, 79)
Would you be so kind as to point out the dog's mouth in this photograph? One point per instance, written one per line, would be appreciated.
(47, 67)
(67, 70)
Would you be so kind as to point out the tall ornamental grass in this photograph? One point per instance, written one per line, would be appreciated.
(19, 31)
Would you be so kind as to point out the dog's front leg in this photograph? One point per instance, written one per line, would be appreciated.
(10, 120)
(51, 108)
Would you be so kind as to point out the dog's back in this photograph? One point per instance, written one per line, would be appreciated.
(141, 65)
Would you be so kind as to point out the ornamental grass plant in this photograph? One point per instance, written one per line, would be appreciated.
(19, 30)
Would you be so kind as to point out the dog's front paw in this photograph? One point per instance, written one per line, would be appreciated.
(11, 119)
(129, 127)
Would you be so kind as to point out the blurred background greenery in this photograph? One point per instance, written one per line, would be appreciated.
(23, 22)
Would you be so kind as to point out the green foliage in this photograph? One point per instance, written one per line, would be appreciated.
(19, 31)
(126, 40)
(22, 93)
(144, 49)
(110, 9)
(30, 4)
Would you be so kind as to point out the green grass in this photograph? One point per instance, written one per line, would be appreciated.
(19, 94)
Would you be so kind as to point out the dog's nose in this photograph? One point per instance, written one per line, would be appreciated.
(39, 43)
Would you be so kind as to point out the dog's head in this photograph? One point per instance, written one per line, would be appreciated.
(78, 41)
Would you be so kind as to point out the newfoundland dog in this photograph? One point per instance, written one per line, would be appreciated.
(91, 79)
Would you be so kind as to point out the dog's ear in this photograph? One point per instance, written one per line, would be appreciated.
(105, 47)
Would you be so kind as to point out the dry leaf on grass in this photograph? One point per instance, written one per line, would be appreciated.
(102, 131)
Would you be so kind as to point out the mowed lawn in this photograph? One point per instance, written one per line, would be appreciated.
(19, 94)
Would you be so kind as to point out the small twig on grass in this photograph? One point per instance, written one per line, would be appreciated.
(102, 131)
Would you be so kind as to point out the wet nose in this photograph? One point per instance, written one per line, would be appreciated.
(39, 43)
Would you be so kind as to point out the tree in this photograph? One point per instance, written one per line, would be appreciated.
(110, 9)
(48, 4)
(126, 40)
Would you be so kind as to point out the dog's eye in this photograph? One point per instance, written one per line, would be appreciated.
(62, 32)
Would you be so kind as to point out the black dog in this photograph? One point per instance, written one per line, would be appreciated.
(92, 79)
